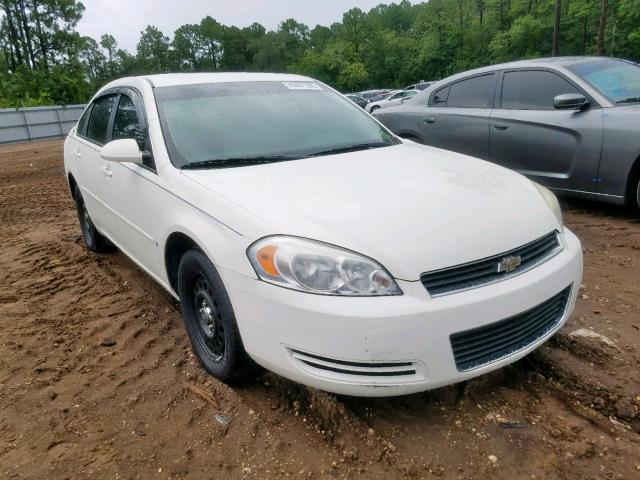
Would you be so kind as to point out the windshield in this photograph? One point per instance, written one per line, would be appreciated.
(617, 80)
(232, 124)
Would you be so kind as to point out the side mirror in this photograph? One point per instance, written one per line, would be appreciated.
(568, 101)
(405, 99)
(122, 151)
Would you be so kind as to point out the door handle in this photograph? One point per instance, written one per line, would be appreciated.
(500, 126)
(429, 120)
(107, 171)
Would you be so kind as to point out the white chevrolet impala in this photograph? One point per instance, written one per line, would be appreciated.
(301, 235)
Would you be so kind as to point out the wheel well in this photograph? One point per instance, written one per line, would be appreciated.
(632, 182)
(177, 245)
(72, 185)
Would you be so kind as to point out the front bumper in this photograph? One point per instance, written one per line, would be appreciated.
(313, 339)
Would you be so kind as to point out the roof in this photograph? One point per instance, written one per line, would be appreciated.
(170, 79)
(551, 62)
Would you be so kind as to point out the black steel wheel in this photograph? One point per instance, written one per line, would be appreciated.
(209, 319)
(93, 239)
(210, 324)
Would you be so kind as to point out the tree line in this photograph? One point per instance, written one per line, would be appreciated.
(44, 60)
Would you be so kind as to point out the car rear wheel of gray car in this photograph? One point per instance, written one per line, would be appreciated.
(209, 319)
(93, 239)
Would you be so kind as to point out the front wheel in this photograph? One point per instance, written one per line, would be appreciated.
(209, 319)
(373, 109)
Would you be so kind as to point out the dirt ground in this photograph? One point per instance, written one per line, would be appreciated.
(72, 407)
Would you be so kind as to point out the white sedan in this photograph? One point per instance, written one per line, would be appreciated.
(395, 98)
(301, 235)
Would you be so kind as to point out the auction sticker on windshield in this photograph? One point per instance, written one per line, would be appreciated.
(302, 86)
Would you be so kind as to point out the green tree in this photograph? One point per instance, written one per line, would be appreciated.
(108, 42)
(153, 50)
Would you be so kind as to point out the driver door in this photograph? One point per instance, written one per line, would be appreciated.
(558, 148)
(135, 198)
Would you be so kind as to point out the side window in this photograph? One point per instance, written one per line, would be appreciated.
(126, 123)
(99, 119)
(476, 92)
(82, 123)
(440, 96)
(533, 90)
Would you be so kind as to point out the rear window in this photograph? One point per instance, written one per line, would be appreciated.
(475, 92)
(82, 123)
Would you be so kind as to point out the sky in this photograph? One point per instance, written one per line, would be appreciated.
(125, 19)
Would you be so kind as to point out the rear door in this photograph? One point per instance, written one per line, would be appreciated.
(558, 148)
(92, 170)
(457, 117)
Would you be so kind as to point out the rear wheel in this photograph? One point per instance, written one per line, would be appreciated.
(210, 320)
(93, 239)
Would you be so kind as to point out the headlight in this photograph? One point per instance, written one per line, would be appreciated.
(551, 200)
(317, 267)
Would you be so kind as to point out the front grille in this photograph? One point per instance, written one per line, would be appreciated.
(479, 346)
(489, 270)
(360, 369)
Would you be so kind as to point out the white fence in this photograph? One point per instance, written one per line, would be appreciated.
(35, 123)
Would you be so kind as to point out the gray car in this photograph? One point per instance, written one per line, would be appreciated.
(571, 124)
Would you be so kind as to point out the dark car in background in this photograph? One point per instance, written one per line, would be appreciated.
(571, 124)
(357, 99)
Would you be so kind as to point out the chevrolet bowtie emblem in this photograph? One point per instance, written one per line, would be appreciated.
(509, 264)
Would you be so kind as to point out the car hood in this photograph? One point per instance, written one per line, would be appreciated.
(411, 207)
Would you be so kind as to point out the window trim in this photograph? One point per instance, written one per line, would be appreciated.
(499, 89)
(136, 97)
(448, 86)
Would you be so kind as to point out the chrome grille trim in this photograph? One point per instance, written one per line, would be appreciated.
(485, 271)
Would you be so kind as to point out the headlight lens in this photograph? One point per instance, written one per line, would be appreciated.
(317, 267)
(551, 200)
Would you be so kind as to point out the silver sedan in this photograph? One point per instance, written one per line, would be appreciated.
(396, 98)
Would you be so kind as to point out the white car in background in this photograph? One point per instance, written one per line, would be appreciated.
(395, 98)
(300, 234)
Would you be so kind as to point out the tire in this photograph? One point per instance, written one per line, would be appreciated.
(210, 321)
(374, 108)
(636, 204)
(93, 239)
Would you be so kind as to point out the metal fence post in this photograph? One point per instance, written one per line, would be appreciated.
(59, 121)
(26, 124)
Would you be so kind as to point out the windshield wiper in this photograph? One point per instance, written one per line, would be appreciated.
(629, 100)
(236, 162)
(349, 148)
